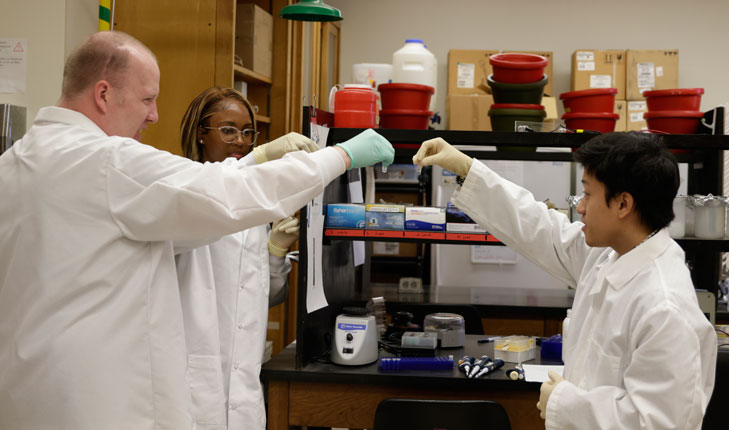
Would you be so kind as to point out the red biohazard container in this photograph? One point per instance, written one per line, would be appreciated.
(673, 121)
(604, 122)
(679, 99)
(405, 118)
(354, 107)
(591, 100)
(511, 68)
(405, 96)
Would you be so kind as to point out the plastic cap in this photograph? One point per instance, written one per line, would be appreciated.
(413, 40)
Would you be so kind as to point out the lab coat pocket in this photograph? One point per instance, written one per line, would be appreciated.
(205, 378)
(604, 369)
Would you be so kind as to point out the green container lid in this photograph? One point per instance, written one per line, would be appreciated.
(530, 93)
(504, 119)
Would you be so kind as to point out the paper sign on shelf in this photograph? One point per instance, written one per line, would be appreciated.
(358, 246)
(315, 298)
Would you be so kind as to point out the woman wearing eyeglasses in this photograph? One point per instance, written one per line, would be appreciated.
(227, 287)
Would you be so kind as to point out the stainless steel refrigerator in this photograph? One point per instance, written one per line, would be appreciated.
(12, 125)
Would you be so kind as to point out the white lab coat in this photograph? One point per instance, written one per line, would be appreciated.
(227, 288)
(91, 329)
(640, 354)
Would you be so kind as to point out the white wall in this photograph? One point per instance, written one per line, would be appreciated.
(372, 30)
(52, 28)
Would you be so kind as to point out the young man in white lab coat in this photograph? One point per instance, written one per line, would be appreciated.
(91, 331)
(639, 354)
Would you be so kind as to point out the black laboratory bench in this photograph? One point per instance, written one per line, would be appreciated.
(329, 395)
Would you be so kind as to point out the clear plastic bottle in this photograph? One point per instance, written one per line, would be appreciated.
(565, 329)
(414, 64)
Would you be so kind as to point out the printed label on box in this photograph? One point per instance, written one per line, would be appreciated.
(636, 116)
(637, 106)
(601, 81)
(466, 74)
(659, 71)
(646, 75)
(585, 66)
(585, 56)
(448, 177)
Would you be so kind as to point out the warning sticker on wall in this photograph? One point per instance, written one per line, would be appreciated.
(12, 65)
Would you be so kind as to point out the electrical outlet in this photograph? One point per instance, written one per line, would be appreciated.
(411, 285)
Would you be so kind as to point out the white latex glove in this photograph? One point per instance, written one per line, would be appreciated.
(546, 390)
(438, 151)
(277, 148)
(283, 234)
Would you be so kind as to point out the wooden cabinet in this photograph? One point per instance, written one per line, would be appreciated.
(194, 42)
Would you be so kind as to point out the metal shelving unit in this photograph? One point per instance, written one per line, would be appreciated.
(704, 157)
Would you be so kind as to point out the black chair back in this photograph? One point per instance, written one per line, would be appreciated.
(422, 414)
(715, 417)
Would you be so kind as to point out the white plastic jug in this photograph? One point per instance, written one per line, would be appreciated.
(372, 74)
(414, 64)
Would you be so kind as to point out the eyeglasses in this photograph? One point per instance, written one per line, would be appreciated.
(229, 134)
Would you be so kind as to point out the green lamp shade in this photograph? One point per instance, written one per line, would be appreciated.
(311, 10)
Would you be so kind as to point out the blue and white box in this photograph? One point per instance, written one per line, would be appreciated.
(345, 215)
(458, 222)
(385, 217)
(423, 218)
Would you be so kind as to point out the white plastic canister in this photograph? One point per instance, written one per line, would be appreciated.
(709, 213)
(677, 228)
(414, 64)
(372, 74)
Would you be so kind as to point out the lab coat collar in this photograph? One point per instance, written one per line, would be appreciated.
(635, 260)
(55, 114)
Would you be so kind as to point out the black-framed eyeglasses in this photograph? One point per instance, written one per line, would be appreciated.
(229, 134)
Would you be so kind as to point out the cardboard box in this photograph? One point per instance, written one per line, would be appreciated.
(254, 38)
(634, 115)
(650, 70)
(345, 215)
(425, 218)
(469, 68)
(621, 108)
(400, 249)
(469, 112)
(550, 107)
(594, 68)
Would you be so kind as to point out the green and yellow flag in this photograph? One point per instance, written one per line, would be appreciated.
(104, 15)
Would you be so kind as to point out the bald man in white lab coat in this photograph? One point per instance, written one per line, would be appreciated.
(91, 330)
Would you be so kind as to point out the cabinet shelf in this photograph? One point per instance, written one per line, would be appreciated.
(250, 76)
(411, 236)
(451, 238)
(263, 119)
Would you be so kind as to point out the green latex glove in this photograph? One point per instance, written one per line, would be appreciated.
(368, 148)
